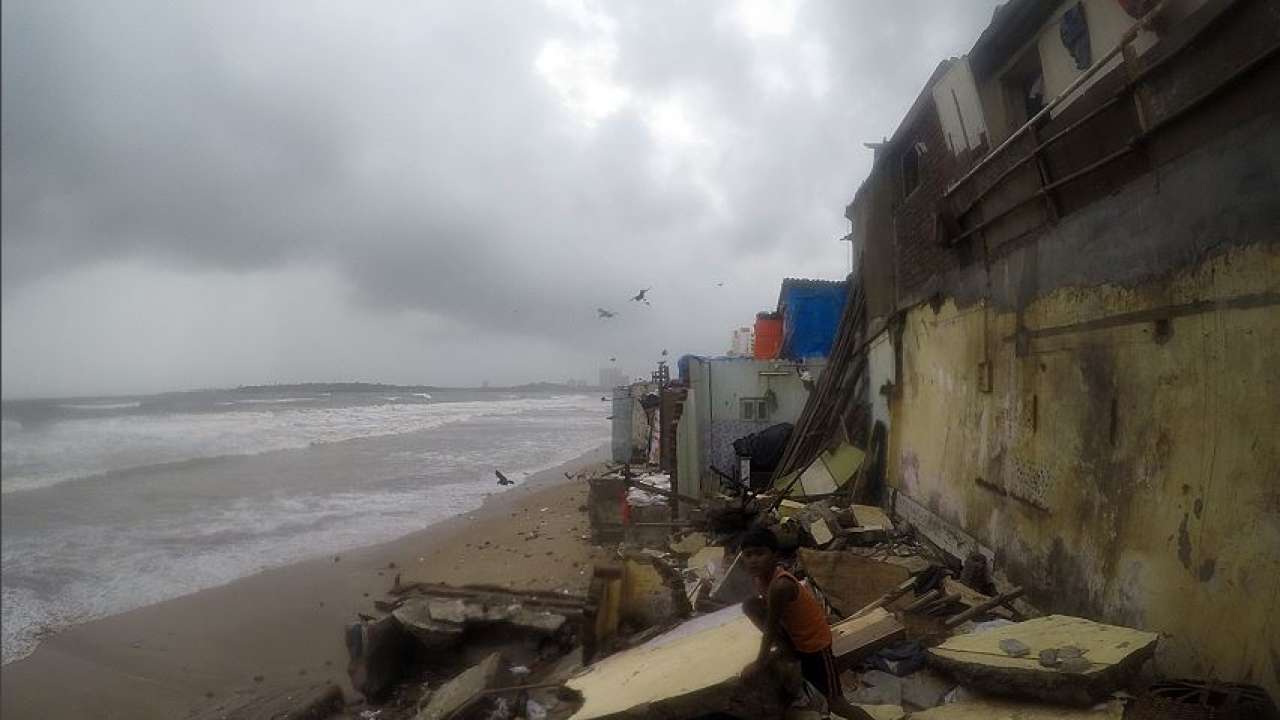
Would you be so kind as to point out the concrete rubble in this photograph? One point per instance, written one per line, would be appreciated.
(661, 634)
(689, 671)
(462, 690)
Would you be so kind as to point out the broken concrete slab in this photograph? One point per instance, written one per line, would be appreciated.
(735, 585)
(691, 670)
(1113, 655)
(379, 652)
(432, 634)
(438, 622)
(462, 689)
(652, 593)
(855, 638)
(849, 580)
(995, 709)
(460, 611)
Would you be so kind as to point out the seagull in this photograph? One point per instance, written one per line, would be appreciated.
(640, 296)
(502, 479)
(664, 352)
(720, 284)
(606, 314)
(613, 359)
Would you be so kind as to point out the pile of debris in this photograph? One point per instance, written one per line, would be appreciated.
(515, 650)
(918, 632)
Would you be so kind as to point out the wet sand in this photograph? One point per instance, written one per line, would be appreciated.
(283, 627)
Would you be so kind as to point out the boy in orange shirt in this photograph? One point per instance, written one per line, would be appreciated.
(790, 617)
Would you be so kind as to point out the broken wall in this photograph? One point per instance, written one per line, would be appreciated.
(1121, 462)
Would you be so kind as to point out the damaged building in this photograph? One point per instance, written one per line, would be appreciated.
(1067, 336)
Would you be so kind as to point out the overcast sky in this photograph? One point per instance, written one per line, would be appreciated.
(202, 194)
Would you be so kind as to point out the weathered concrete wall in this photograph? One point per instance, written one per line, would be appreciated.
(1117, 475)
(1123, 464)
(716, 388)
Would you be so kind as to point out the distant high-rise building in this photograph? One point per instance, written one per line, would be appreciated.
(743, 342)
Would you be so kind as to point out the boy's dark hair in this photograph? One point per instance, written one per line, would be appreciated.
(759, 537)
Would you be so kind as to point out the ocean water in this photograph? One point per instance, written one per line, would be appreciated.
(109, 505)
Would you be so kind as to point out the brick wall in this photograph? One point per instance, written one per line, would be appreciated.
(919, 255)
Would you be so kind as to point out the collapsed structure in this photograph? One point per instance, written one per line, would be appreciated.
(1029, 470)
(1068, 254)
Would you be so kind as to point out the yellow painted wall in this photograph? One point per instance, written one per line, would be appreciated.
(1166, 517)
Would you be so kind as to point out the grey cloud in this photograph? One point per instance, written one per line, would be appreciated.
(415, 151)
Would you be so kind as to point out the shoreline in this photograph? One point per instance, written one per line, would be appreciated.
(282, 627)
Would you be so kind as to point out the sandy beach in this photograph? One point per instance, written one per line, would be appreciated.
(283, 627)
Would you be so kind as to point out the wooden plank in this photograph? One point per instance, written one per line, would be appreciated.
(973, 598)
(972, 612)
(923, 600)
(888, 597)
(850, 581)
(857, 637)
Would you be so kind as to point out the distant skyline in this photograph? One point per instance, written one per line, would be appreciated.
(221, 194)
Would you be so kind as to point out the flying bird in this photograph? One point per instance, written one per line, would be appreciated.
(664, 352)
(613, 359)
(720, 284)
(606, 314)
(640, 296)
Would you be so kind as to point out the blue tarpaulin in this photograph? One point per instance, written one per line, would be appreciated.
(811, 312)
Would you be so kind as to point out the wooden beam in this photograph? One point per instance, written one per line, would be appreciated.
(973, 612)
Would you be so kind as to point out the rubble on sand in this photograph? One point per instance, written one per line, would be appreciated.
(463, 690)
(661, 634)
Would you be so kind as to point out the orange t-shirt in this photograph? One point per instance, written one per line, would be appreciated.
(804, 619)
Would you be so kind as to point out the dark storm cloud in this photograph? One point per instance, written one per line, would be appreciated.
(420, 151)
